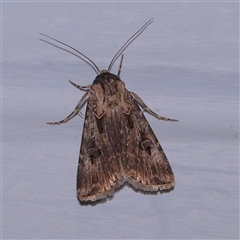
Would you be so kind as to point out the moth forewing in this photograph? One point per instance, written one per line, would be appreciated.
(118, 144)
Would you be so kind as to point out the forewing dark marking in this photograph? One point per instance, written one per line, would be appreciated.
(100, 174)
(146, 166)
(118, 144)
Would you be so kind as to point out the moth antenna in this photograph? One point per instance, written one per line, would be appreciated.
(73, 49)
(132, 38)
(120, 66)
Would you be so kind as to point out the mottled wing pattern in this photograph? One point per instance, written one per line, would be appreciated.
(99, 169)
(118, 144)
(146, 166)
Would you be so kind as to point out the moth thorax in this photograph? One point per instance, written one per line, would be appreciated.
(103, 71)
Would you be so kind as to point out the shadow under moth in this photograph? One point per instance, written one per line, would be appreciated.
(118, 144)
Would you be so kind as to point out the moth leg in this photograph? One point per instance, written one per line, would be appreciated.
(147, 109)
(82, 88)
(74, 113)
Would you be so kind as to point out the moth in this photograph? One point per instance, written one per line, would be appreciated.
(118, 145)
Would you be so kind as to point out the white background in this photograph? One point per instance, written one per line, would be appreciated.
(184, 66)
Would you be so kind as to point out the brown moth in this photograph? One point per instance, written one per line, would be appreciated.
(118, 144)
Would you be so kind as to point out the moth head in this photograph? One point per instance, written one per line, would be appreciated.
(107, 80)
(103, 71)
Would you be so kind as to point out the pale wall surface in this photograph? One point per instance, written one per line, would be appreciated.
(184, 66)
